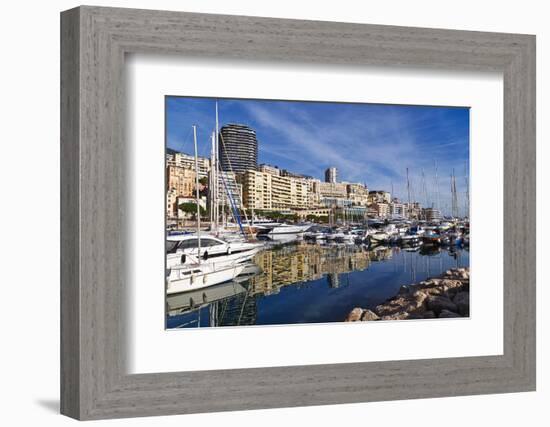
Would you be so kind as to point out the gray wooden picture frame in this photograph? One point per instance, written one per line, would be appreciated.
(94, 41)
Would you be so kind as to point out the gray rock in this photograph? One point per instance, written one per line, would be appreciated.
(415, 316)
(419, 298)
(369, 315)
(396, 316)
(462, 301)
(403, 290)
(429, 314)
(446, 314)
(439, 303)
(355, 315)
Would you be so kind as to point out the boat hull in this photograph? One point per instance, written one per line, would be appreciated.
(201, 278)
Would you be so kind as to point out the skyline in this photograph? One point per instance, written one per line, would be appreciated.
(368, 143)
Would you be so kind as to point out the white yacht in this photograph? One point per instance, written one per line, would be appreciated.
(184, 249)
(189, 277)
(281, 228)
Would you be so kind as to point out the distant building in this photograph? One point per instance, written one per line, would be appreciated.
(331, 175)
(285, 172)
(182, 160)
(331, 190)
(414, 210)
(358, 194)
(379, 197)
(262, 190)
(171, 203)
(238, 148)
(273, 170)
(398, 209)
(181, 180)
(229, 190)
(382, 209)
(431, 214)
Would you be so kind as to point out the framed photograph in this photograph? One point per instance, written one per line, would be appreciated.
(278, 213)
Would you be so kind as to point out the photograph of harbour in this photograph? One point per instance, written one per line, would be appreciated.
(286, 212)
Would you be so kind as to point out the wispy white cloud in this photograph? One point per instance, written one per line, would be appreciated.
(367, 143)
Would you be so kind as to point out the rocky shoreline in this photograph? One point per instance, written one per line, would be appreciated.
(446, 296)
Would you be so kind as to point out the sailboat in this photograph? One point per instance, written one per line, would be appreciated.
(184, 277)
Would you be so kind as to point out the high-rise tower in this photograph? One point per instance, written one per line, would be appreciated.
(238, 148)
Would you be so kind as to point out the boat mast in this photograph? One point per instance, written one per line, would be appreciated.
(197, 192)
(216, 184)
(408, 195)
(436, 187)
(424, 189)
(212, 181)
(466, 178)
(454, 195)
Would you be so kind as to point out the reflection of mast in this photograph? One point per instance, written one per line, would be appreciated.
(333, 280)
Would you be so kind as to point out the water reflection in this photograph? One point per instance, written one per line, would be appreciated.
(304, 282)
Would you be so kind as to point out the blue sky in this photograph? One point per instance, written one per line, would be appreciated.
(368, 143)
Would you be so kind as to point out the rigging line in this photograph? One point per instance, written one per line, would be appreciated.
(238, 187)
(181, 150)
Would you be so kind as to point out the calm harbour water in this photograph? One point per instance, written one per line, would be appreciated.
(309, 283)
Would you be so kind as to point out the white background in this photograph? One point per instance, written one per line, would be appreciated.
(150, 78)
(30, 207)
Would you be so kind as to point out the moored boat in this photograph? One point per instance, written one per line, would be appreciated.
(185, 277)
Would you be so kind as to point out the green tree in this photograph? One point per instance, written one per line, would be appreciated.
(191, 208)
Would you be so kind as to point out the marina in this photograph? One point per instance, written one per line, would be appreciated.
(308, 282)
(256, 244)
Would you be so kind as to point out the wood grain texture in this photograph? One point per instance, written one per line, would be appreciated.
(70, 292)
(95, 383)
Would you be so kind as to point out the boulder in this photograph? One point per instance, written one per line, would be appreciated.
(447, 314)
(369, 315)
(403, 290)
(415, 316)
(355, 315)
(439, 303)
(419, 299)
(462, 301)
(396, 316)
(429, 314)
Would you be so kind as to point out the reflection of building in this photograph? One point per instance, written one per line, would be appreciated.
(238, 148)
(240, 310)
(331, 175)
(303, 263)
